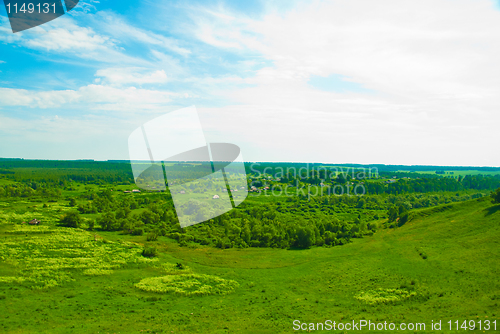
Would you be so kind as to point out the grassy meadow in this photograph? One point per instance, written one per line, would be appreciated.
(442, 265)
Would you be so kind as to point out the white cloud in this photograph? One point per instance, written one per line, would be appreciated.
(99, 97)
(117, 27)
(6, 34)
(2, 62)
(64, 36)
(46, 137)
(70, 37)
(435, 73)
(131, 75)
(392, 46)
(21, 97)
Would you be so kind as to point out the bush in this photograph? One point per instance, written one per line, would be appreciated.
(71, 219)
(150, 252)
(153, 236)
(138, 231)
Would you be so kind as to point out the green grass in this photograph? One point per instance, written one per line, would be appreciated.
(45, 256)
(380, 278)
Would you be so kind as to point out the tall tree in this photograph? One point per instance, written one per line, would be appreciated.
(496, 196)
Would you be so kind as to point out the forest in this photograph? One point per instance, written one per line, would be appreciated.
(95, 197)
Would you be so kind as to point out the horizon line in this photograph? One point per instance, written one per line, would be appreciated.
(277, 162)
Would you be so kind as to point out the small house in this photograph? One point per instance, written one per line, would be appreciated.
(136, 191)
(215, 197)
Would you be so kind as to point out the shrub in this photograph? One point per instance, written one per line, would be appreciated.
(71, 219)
(150, 252)
(174, 269)
(138, 231)
(153, 236)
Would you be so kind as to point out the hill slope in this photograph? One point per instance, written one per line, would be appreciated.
(442, 265)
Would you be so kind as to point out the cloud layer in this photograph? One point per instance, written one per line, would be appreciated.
(429, 72)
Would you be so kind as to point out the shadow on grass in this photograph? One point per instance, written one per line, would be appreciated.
(295, 248)
(491, 210)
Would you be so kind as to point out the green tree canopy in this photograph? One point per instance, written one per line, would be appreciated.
(71, 219)
(496, 196)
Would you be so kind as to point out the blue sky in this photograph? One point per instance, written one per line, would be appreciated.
(334, 81)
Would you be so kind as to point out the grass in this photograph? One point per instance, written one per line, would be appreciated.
(188, 285)
(381, 278)
(384, 295)
(47, 256)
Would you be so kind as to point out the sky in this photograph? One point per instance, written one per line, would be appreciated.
(342, 81)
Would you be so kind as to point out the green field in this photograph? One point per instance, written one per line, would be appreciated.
(442, 265)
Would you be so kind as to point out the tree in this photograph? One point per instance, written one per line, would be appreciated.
(71, 219)
(403, 218)
(393, 214)
(72, 202)
(305, 237)
(496, 196)
(149, 217)
(108, 222)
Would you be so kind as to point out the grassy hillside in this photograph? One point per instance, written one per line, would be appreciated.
(442, 265)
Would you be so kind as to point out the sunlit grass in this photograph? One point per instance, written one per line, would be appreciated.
(188, 285)
(47, 256)
(384, 295)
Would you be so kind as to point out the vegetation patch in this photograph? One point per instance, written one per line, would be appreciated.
(380, 296)
(188, 285)
(47, 256)
(175, 269)
(97, 272)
